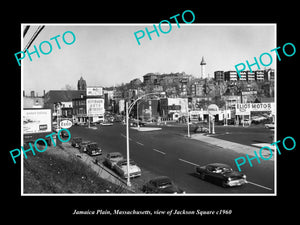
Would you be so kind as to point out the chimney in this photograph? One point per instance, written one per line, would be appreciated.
(32, 94)
(44, 93)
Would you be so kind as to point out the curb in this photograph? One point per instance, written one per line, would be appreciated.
(236, 147)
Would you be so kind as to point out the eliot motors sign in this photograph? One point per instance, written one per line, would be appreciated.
(246, 108)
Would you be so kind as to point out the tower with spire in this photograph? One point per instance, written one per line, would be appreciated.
(81, 84)
(203, 65)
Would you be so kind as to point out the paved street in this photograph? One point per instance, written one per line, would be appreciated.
(169, 152)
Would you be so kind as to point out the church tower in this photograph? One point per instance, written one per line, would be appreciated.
(203, 65)
(81, 85)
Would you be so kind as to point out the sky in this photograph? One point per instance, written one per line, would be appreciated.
(108, 54)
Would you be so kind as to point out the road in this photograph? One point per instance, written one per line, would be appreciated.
(169, 152)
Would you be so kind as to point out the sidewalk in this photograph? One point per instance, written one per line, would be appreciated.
(239, 148)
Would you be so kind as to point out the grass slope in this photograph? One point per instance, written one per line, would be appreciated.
(60, 173)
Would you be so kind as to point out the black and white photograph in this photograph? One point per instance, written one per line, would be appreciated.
(167, 115)
(144, 113)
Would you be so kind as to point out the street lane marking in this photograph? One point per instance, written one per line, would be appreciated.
(188, 162)
(125, 137)
(259, 185)
(159, 151)
(139, 143)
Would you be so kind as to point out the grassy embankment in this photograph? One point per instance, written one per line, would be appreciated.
(55, 171)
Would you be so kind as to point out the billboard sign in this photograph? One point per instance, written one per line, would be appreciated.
(94, 91)
(179, 105)
(95, 106)
(36, 120)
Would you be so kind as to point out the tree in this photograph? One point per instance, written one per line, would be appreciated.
(68, 87)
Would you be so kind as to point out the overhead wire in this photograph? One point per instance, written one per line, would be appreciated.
(40, 28)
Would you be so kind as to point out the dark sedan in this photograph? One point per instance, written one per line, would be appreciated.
(221, 174)
(76, 141)
(161, 185)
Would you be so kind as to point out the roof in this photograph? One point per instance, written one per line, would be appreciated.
(219, 165)
(54, 96)
(267, 99)
(203, 61)
(114, 153)
(161, 179)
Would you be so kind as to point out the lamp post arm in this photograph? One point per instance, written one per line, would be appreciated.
(132, 104)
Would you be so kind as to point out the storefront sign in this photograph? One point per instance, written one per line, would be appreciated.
(65, 124)
(94, 91)
(246, 108)
(95, 106)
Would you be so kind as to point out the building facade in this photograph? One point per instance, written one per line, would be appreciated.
(230, 75)
(219, 76)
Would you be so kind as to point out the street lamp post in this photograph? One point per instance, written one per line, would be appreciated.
(128, 110)
(137, 115)
(188, 121)
(127, 144)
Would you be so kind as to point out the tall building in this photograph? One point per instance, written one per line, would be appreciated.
(219, 76)
(81, 85)
(250, 75)
(243, 76)
(203, 65)
(260, 75)
(230, 75)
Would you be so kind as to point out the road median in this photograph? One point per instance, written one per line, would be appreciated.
(239, 148)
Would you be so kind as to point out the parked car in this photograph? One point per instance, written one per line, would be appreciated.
(92, 149)
(221, 174)
(76, 141)
(270, 125)
(161, 184)
(112, 158)
(64, 134)
(121, 168)
(83, 145)
(106, 124)
(201, 129)
(82, 124)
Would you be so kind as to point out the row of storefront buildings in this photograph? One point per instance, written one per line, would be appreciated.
(94, 103)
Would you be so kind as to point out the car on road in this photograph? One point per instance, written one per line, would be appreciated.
(161, 184)
(92, 149)
(81, 124)
(134, 123)
(83, 145)
(121, 168)
(112, 158)
(221, 174)
(76, 141)
(106, 123)
(137, 123)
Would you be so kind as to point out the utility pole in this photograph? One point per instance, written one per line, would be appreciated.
(225, 122)
(128, 110)
(188, 123)
(127, 144)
